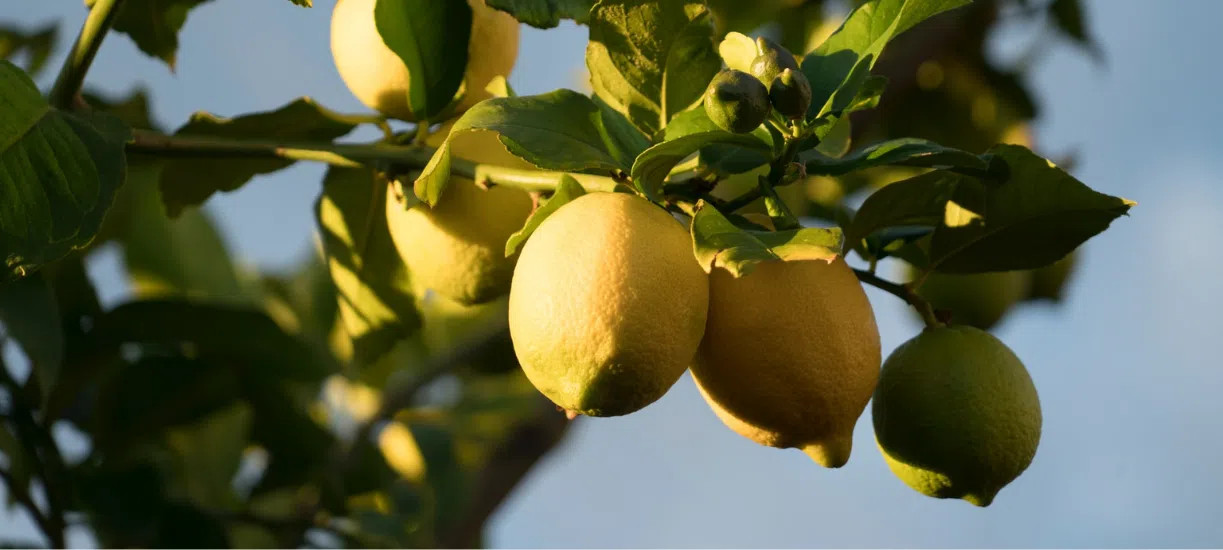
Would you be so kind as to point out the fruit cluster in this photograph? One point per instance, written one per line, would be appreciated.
(608, 306)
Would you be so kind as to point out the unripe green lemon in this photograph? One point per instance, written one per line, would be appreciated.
(979, 300)
(608, 304)
(771, 60)
(457, 247)
(790, 355)
(1047, 282)
(956, 414)
(379, 78)
(736, 101)
(790, 94)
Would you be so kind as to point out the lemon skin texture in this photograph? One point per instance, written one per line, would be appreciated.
(790, 356)
(379, 79)
(608, 304)
(457, 247)
(979, 300)
(956, 414)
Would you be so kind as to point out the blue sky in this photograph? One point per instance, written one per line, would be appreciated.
(1126, 369)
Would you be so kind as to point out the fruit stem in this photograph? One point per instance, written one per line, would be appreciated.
(903, 292)
(72, 73)
(353, 156)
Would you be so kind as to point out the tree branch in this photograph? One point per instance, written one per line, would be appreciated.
(76, 65)
(48, 465)
(904, 293)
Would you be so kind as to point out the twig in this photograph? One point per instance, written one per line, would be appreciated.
(76, 65)
(904, 293)
(36, 437)
(23, 498)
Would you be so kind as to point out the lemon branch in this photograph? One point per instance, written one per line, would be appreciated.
(72, 73)
(904, 293)
(353, 156)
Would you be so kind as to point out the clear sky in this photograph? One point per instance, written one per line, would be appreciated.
(1127, 369)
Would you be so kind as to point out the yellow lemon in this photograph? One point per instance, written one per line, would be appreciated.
(956, 414)
(379, 78)
(790, 355)
(607, 305)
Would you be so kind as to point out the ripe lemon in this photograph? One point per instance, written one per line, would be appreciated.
(978, 300)
(790, 356)
(956, 414)
(608, 304)
(379, 78)
(457, 247)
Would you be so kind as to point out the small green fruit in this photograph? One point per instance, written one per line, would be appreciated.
(956, 414)
(736, 101)
(791, 94)
(771, 60)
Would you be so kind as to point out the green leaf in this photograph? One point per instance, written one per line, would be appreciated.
(154, 24)
(1068, 17)
(133, 109)
(651, 60)
(738, 51)
(175, 257)
(36, 45)
(561, 130)
(568, 190)
(545, 14)
(240, 334)
(903, 152)
(719, 243)
(372, 283)
(30, 316)
(59, 173)
(838, 68)
(624, 141)
(17, 462)
(189, 182)
(303, 3)
(208, 455)
(423, 33)
(1034, 218)
(686, 135)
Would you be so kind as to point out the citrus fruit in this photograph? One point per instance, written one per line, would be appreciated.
(980, 299)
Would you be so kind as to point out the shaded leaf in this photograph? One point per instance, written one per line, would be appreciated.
(35, 44)
(30, 316)
(1069, 18)
(190, 182)
(624, 141)
(373, 287)
(208, 454)
(154, 24)
(719, 243)
(568, 190)
(423, 34)
(545, 14)
(686, 135)
(561, 130)
(903, 152)
(59, 173)
(651, 60)
(838, 68)
(16, 464)
(133, 109)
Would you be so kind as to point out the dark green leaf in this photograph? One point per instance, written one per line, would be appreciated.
(58, 175)
(624, 141)
(16, 461)
(720, 243)
(133, 110)
(372, 284)
(1034, 218)
(30, 316)
(154, 24)
(36, 45)
(903, 152)
(208, 455)
(423, 33)
(545, 14)
(186, 526)
(839, 67)
(298, 446)
(175, 257)
(568, 190)
(189, 182)
(239, 334)
(686, 135)
(1068, 17)
(561, 130)
(303, 3)
(651, 60)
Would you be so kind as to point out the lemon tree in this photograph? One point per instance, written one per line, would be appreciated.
(495, 266)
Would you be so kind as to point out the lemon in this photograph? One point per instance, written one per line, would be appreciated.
(956, 414)
(607, 305)
(790, 355)
(1048, 282)
(979, 300)
(457, 247)
(379, 79)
